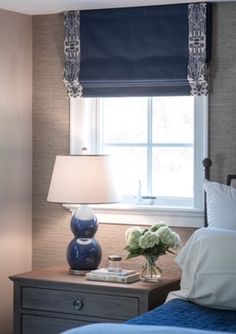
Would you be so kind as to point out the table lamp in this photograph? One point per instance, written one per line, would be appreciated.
(83, 179)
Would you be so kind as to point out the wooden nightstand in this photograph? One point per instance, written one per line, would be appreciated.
(48, 301)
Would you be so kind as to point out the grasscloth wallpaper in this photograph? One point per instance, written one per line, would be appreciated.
(51, 231)
(223, 92)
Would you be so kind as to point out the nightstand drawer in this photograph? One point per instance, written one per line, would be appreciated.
(34, 324)
(80, 303)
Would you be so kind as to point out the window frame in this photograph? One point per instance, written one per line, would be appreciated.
(84, 128)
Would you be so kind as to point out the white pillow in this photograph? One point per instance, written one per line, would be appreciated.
(221, 205)
(208, 263)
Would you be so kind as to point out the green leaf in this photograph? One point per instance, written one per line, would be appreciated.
(130, 256)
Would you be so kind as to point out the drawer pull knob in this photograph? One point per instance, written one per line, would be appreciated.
(78, 304)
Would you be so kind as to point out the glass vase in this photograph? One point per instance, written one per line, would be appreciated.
(150, 271)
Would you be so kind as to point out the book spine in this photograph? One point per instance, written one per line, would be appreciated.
(109, 278)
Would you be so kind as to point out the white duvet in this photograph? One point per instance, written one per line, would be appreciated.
(208, 263)
(135, 329)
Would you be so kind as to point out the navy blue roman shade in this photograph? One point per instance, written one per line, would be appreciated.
(141, 51)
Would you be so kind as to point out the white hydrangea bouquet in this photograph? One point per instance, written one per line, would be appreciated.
(151, 243)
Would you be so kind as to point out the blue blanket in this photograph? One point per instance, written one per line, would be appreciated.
(186, 314)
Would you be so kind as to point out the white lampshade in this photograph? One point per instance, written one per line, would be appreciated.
(83, 179)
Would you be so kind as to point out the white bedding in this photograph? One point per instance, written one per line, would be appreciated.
(208, 264)
(221, 205)
(135, 329)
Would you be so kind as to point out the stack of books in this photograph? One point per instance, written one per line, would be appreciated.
(123, 276)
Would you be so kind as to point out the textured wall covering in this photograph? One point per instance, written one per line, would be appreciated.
(15, 155)
(223, 92)
(51, 132)
(50, 135)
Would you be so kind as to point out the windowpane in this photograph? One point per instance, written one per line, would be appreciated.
(173, 171)
(131, 168)
(158, 142)
(152, 141)
(173, 119)
(125, 120)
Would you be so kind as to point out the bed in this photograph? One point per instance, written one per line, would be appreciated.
(206, 302)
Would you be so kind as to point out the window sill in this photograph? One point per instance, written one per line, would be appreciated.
(146, 215)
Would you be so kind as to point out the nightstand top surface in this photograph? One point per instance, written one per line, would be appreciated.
(60, 274)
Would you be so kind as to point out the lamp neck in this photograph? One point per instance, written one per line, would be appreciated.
(84, 212)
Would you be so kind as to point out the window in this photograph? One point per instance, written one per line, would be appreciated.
(158, 144)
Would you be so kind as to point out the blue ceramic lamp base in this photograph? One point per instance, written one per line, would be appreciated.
(83, 252)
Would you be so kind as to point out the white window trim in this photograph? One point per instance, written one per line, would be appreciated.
(128, 215)
(83, 129)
